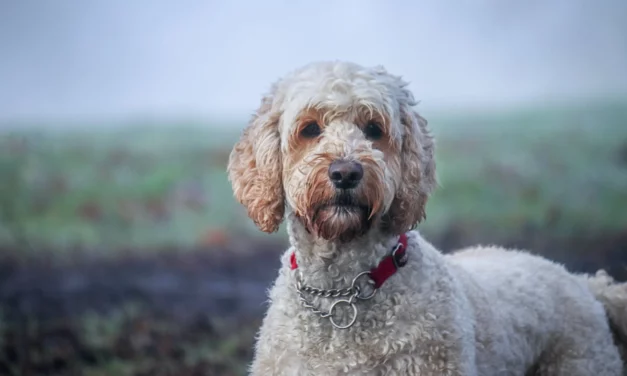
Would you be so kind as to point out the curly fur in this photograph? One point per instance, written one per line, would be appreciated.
(479, 311)
(255, 169)
(614, 298)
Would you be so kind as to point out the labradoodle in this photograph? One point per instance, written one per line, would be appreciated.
(339, 151)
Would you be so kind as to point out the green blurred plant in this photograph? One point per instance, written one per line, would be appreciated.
(14, 192)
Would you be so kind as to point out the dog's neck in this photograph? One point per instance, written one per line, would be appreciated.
(331, 264)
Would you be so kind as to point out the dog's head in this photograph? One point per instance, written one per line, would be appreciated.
(341, 146)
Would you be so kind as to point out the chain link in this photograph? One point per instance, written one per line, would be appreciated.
(353, 291)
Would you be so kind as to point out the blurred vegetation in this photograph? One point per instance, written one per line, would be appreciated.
(562, 168)
(552, 179)
(128, 341)
(113, 188)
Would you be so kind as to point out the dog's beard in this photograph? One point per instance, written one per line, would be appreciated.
(342, 218)
(336, 214)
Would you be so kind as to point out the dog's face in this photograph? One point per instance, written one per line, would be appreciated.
(341, 146)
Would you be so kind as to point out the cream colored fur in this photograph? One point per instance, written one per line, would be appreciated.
(479, 311)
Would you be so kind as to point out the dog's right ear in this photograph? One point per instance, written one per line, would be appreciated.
(255, 168)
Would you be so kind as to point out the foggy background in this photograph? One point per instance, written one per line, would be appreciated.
(80, 59)
(122, 249)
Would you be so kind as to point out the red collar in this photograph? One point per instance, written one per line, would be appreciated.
(386, 268)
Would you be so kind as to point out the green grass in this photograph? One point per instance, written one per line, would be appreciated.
(560, 166)
(565, 168)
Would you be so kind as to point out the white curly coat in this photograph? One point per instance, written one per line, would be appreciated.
(480, 311)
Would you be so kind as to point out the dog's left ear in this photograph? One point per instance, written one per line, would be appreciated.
(255, 167)
(418, 177)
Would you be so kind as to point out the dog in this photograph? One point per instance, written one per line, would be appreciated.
(339, 151)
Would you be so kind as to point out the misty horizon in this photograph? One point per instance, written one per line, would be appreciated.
(111, 59)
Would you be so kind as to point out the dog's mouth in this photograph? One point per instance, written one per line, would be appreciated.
(343, 217)
(344, 202)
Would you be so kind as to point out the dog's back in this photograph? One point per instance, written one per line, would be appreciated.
(614, 298)
(536, 305)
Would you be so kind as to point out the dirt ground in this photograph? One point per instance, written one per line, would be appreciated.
(192, 312)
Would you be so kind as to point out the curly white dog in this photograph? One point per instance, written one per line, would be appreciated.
(339, 150)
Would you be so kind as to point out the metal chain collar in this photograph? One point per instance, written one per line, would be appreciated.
(353, 291)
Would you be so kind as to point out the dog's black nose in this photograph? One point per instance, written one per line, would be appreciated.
(345, 174)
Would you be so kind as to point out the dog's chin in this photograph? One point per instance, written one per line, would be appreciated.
(340, 222)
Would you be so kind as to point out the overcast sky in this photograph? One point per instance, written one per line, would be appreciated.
(112, 58)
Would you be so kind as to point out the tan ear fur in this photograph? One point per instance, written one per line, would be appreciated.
(417, 173)
(255, 168)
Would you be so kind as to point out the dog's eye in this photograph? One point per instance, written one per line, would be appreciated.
(311, 130)
(373, 130)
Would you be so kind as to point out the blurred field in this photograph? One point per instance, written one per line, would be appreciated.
(95, 218)
(142, 185)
